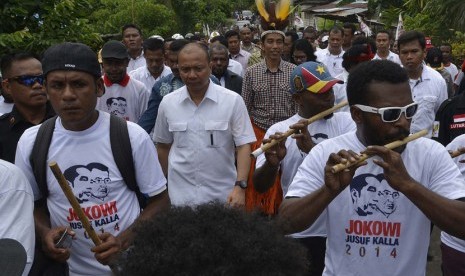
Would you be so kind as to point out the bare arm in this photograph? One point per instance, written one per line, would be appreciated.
(265, 176)
(163, 152)
(237, 196)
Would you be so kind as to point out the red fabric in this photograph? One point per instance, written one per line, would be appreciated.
(268, 202)
(123, 82)
(463, 66)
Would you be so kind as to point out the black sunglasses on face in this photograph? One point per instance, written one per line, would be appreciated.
(28, 80)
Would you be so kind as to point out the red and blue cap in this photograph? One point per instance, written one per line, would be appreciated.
(313, 77)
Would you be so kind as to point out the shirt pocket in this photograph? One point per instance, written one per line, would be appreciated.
(179, 131)
(218, 133)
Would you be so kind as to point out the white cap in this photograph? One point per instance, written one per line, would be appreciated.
(177, 36)
(157, 37)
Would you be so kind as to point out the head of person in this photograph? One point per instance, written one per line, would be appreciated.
(132, 37)
(302, 51)
(434, 58)
(219, 39)
(272, 44)
(73, 83)
(115, 60)
(363, 40)
(312, 88)
(166, 49)
(349, 31)
(212, 239)
(219, 59)
(175, 47)
(412, 50)
(289, 40)
(154, 53)
(234, 41)
(194, 67)
(383, 40)
(335, 40)
(355, 55)
(310, 34)
(446, 49)
(380, 102)
(23, 80)
(246, 35)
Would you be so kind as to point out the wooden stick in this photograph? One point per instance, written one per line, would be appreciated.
(339, 167)
(74, 203)
(288, 133)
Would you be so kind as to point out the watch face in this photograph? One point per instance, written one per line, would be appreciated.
(242, 184)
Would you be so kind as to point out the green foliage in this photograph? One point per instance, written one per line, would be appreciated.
(152, 17)
(34, 25)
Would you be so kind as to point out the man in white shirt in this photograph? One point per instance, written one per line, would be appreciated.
(383, 44)
(331, 56)
(446, 49)
(124, 96)
(379, 211)
(132, 39)
(80, 145)
(235, 51)
(199, 128)
(155, 69)
(428, 87)
(311, 88)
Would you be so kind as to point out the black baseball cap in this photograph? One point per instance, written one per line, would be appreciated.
(114, 49)
(72, 57)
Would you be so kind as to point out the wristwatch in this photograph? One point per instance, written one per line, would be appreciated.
(241, 183)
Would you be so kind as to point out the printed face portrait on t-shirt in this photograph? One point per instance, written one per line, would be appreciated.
(89, 181)
(117, 106)
(371, 193)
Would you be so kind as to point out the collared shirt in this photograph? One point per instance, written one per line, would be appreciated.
(236, 67)
(201, 159)
(266, 94)
(332, 62)
(161, 88)
(429, 92)
(12, 126)
(242, 57)
(340, 91)
(137, 62)
(143, 75)
(391, 57)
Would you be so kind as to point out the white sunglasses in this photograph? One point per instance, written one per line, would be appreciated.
(390, 114)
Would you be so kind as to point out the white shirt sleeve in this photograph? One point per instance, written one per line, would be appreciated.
(241, 125)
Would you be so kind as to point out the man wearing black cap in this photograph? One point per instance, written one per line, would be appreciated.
(124, 96)
(80, 145)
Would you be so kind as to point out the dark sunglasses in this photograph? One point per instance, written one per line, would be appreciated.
(28, 80)
(391, 114)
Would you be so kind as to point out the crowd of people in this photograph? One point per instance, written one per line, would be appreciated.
(155, 137)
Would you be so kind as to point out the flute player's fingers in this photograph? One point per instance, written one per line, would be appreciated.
(276, 153)
(337, 182)
(395, 172)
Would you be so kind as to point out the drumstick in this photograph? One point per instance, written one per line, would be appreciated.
(74, 203)
(288, 133)
(339, 167)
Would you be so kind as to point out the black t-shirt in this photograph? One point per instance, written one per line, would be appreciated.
(451, 118)
(12, 126)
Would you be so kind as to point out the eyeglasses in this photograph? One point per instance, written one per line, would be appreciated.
(391, 114)
(28, 80)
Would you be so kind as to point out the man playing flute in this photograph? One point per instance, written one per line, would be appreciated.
(311, 89)
(379, 211)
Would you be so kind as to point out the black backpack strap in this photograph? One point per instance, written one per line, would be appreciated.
(39, 153)
(122, 153)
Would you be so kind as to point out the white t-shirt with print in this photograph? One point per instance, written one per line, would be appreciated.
(340, 123)
(373, 228)
(449, 240)
(86, 160)
(127, 102)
